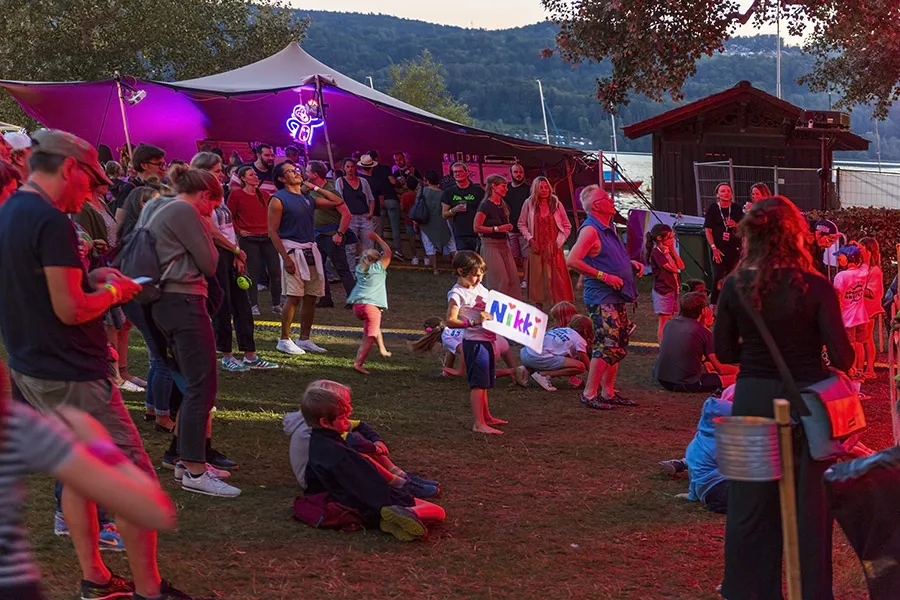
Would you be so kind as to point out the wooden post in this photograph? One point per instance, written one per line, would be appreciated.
(788, 496)
(880, 318)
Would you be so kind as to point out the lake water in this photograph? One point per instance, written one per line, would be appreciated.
(639, 167)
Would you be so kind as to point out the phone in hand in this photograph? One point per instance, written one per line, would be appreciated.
(462, 207)
(142, 281)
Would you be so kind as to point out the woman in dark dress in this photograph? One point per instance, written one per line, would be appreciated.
(801, 309)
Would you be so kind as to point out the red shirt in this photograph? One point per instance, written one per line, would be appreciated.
(250, 215)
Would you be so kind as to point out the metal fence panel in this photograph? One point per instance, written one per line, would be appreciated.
(707, 177)
(869, 188)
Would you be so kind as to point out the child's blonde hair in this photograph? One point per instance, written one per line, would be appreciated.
(324, 399)
(369, 258)
(562, 313)
(434, 327)
(584, 327)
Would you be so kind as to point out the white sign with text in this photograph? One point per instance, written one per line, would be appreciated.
(516, 321)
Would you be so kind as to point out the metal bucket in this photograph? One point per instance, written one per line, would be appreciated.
(747, 448)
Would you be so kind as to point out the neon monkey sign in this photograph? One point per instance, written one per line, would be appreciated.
(302, 124)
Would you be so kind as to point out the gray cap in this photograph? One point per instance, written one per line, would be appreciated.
(63, 143)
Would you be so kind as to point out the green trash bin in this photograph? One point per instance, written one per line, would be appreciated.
(694, 252)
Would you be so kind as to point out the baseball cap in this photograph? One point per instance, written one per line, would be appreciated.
(63, 143)
(850, 251)
(18, 141)
(825, 227)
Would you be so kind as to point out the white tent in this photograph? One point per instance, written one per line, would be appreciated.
(253, 103)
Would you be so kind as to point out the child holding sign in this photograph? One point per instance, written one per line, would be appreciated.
(467, 305)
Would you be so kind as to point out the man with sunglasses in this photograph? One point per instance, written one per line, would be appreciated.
(149, 162)
(292, 231)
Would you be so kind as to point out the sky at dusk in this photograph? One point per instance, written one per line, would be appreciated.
(492, 14)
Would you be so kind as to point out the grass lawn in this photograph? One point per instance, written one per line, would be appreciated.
(568, 504)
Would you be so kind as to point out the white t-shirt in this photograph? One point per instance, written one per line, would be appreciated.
(562, 341)
(850, 285)
(472, 302)
(452, 338)
(224, 222)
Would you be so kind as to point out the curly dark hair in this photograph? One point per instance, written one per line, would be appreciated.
(774, 233)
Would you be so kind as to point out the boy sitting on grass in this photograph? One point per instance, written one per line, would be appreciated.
(686, 342)
(351, 478)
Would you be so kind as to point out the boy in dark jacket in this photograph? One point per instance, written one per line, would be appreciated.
(349, 477)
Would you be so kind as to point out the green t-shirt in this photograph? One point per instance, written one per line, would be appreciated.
(326, 217)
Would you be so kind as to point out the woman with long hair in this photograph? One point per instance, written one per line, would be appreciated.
(249, 207)
(723, 235)
(758, 191)
(234, 317)
(492, 224)
(545, 225)
(800, 308)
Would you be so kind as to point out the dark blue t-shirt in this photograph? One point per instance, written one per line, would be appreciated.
(297, 217)
(34, 235)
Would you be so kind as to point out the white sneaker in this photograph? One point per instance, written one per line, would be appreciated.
(127, 386)
(254, 310)
(209, 485)
(524, 285)
(522, 376)
(217, 473)
(309, 346)
(415, 261)
(543, 381)
(289, 347)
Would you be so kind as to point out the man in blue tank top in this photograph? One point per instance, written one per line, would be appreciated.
(609, 286)
(292, 231)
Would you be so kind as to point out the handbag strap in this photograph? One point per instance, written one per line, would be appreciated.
(783, 369)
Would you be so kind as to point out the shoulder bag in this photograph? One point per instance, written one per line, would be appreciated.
(829, 411)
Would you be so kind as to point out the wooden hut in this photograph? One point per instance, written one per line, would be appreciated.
(753, 136)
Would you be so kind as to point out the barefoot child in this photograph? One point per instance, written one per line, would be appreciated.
(872, 296)
(850, 285)
(564, 353)
(369, 299)
(466, 306)
(352, 479)
(666, 266)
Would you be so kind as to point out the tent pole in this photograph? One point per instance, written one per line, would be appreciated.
(325, 120)
(572, 193)
(124, 121)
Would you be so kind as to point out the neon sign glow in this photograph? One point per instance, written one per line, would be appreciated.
(302, 125)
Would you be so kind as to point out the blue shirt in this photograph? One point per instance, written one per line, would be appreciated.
(371, 286)
(297, 217)
(613, 259)
(33, 235)
(701, 452)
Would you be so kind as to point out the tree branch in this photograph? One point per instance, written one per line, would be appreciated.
(745, 17)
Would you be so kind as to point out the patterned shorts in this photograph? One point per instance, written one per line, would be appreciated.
(611, 331)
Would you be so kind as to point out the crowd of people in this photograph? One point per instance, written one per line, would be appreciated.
(181, 251)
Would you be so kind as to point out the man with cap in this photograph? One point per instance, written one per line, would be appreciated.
(51, 322)
(824, 234)
(19, 152)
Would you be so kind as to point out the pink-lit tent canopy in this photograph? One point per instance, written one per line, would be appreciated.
(252, 104)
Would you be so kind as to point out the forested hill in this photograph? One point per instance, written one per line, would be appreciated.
(494, 72)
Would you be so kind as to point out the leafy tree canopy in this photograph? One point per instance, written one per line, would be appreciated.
(420, 82)
(64, 40)
(654, 46)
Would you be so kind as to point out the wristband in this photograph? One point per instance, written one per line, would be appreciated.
(114, 289)
(106, 452)
(466, 323)
(340, 233)
(237, 251)
(601, 275)
(495, 229)
(316, 188)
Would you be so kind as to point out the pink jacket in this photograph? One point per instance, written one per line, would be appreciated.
(563, 227)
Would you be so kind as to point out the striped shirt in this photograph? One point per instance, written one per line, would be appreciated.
(29, 443)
